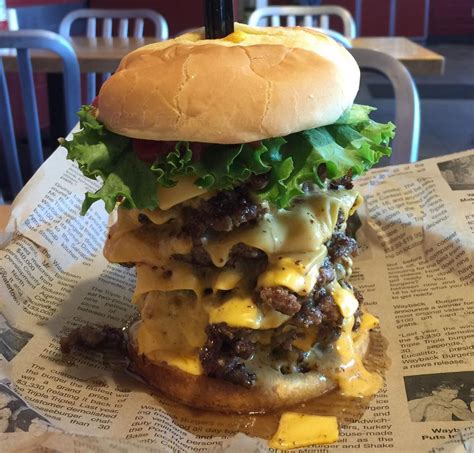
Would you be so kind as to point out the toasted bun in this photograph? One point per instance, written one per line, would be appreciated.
(272, 391)
(257, 83)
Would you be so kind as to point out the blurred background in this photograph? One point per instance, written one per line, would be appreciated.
(445, 27)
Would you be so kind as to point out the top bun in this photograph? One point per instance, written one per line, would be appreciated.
(254, 84)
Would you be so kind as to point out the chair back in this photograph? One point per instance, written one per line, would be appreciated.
(312, 16)
(23, 41)
(108, 16)
(407, 102)
(341, 39)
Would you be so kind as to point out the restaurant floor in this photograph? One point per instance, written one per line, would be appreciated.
(447, 102)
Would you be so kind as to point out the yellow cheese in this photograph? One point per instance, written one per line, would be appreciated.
(302, 430)
(298, 272)
(160, 217)
(346, 301)
(227, 280)
(236, 36)
(242, 312)
(237, 312)
(353, 378)
(184, 190)
(368, 322)
(306, 343)
(188, 363)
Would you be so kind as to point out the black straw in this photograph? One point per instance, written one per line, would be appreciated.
(219, 18)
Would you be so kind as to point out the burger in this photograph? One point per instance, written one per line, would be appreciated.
(227, 165)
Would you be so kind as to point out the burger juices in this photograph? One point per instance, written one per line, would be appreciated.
(228, 165)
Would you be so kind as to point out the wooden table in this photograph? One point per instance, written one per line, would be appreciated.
(418, 59)
(5, 210)
(94, 55)
(104, 54)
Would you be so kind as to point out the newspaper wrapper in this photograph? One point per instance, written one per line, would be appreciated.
(415, 269)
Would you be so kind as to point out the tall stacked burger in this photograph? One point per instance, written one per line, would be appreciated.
(228, 164)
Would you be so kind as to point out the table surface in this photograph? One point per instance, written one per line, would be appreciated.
(104, 54)
(418, 59)
(4, 215)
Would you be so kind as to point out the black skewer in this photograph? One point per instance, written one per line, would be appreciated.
(218, 18)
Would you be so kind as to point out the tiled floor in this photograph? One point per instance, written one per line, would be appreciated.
(447, 125)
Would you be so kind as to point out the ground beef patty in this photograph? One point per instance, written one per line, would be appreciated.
(280, 299)
(224, 212)
(340, 245)
(94, 337)
(223, 354)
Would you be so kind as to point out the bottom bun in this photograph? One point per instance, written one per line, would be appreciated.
(273, 390)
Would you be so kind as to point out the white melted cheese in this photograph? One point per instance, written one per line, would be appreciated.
(304, 228)
(129, 242)
(174, 277)
(292, 240)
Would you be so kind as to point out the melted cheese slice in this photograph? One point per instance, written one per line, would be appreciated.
(184, 190)
(227, 280)
(187, 363)
(243, 312)
(128, 244)
(353, 378)
(175, 276)
(167, 334)
(306, 342)
(345, 301)
(302, 430)
(298, 272)
(166, 322)
(367, 322)
(304, 228)
(151, 345)
(173, 326)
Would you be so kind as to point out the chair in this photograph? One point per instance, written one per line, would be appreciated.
(23, 41)
(341, 39)
(407, 102)
(309, 14)
(107, 16)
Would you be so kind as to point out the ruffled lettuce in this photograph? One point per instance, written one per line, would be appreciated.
(350, 146)
(109, 157)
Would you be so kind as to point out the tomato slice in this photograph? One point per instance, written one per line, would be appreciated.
(95, 102)
(149, 150)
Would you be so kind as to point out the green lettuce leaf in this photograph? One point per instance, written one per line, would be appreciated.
(350, 146)
(110, 157)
